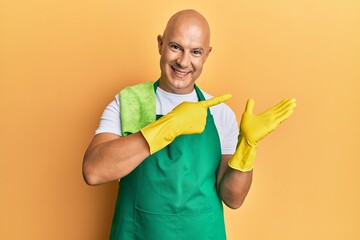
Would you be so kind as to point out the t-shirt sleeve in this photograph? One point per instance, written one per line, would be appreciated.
(227, 126)
(230, 130)
(110, 119)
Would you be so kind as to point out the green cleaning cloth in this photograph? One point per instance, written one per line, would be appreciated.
(137, 107)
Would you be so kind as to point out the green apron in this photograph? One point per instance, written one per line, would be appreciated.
(172, 194)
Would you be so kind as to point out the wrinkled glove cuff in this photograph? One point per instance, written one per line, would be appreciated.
(244, 157)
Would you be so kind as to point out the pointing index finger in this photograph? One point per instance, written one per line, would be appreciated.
(216, 100)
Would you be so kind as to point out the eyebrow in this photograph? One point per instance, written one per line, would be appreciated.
(198, 49)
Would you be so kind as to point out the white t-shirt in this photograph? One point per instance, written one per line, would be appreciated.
(224, 117)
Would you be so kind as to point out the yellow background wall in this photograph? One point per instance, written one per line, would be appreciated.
(62, 62)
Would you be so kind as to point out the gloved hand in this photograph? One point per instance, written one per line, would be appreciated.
(253, 128)
(186, 118)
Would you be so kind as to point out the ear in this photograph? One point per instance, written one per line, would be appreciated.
(208, 52)
(160, 43)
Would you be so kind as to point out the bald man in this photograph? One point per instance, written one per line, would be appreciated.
(173, 146)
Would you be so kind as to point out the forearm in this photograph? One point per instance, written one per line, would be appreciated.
(232, 185)
(105, 161)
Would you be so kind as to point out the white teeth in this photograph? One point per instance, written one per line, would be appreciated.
(181, 73)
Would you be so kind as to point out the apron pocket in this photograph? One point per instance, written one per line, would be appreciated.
(159, 226)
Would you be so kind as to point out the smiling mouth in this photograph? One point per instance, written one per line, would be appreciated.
(179, 74)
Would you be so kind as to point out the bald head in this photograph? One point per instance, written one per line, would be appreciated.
(188, 19)
(184, 48)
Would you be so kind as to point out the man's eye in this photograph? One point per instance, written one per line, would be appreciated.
(196, 52)
(175, 47)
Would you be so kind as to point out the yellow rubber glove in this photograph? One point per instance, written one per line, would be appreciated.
(253, 128)
(186, 118)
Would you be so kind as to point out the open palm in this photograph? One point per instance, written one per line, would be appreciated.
(255, 127)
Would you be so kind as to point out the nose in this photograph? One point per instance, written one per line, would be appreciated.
(183, 60)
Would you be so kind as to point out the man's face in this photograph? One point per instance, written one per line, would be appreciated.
(183, 49)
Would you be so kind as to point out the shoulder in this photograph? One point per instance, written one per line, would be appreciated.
(144, 85)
